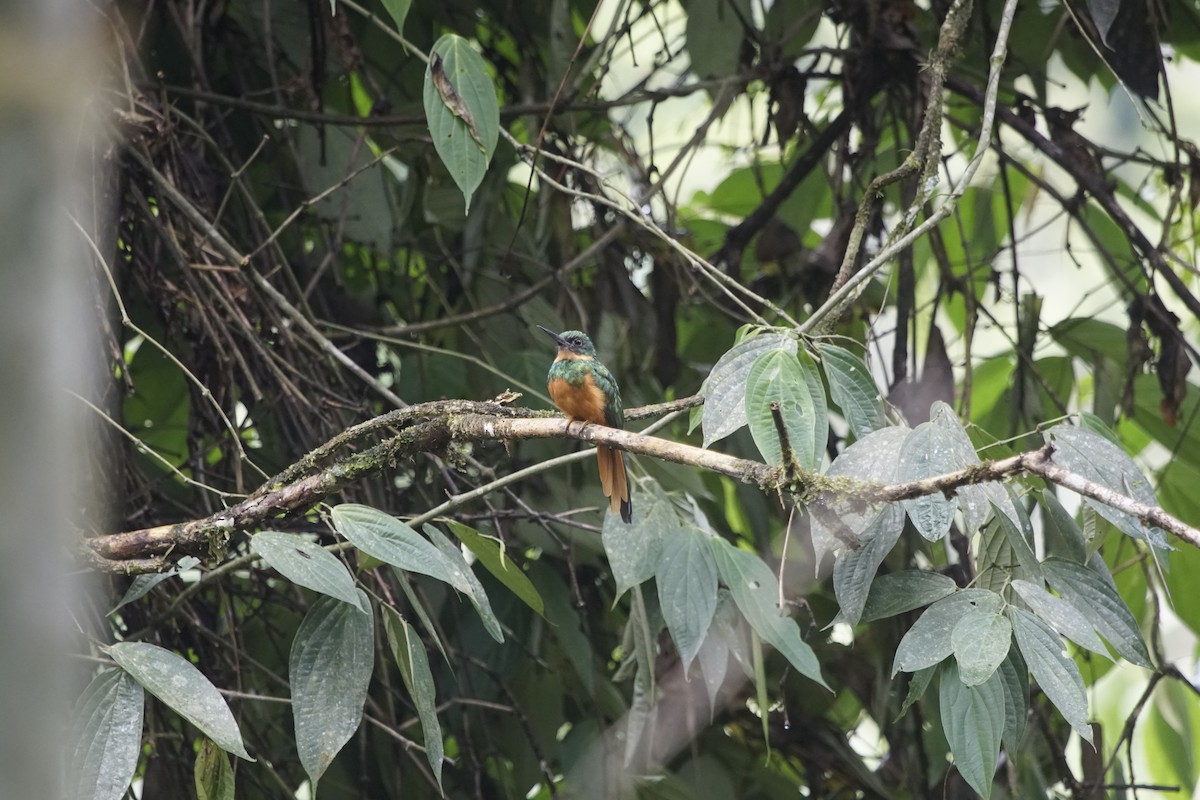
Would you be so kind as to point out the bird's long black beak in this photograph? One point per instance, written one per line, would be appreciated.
(561, 342)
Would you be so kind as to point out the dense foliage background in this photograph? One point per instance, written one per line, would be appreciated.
(306, 233)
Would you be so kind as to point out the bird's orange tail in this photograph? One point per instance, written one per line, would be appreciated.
(614, 482)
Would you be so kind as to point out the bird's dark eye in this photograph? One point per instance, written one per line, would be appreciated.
(577, 342)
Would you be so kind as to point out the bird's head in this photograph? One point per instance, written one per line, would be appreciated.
(572, 344)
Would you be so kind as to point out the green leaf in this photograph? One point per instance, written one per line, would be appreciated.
(329, 668)
(840, 518)
(725, 388)
(853, 390)
(142, 584)
(1058, 675)
(409, 653)
(465, 156)
(1060, 615)
(1095, 596)
(391, 541)
(753, 588)
(981, 640)
(1099, 460)
(403, 579)
(1014, 677)
(399, 11)
(1063, 536)
(307, 564)
(854, 570)
(687, 589)
(633, 550)
(973, 719)
(783, 378)
(714, 35)
(474, 589)
(106, 737)
(926, 453)
(490, 553)
(181, 686)
(929, 641)
(212, 774)
(902, 591)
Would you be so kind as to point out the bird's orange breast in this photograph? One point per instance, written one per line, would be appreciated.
(582, 401)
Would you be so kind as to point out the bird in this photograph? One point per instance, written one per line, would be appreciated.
(583, 389)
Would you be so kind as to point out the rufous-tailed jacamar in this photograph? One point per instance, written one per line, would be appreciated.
(584, 390)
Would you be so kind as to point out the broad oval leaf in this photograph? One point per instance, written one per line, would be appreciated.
(853, 390)
(753, 588)
(981, 640)
(1095, 596)
(787, 380)
(687, 589)
(307, 564)
(391, 541)
(973, 719)
(1062, 616)
(1058, 675)
(714, 35)
(929, 641)
(928, 452)
(409, 653)
(839, 518)
(462, 111)
(106, 737)
(329, 668)
(176, 682)
(491, 554)
(474, 589)
(1064, 538)
(898, 592)
(854, 570)
(725, 388)
(1099, 460)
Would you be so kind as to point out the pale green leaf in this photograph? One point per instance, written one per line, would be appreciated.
(840, 518)
(634, 549)
(307, 564)
(973, 720)
(176, 682)
(853, 390)
(474, 589)
(1095, 596)
(466, 158)
(386, 538)
(927, 452)
(754, 589)
(854, 570)
(398, 9)
(929, 641)
(981, 640)
(1014, 677)
(1063, 536)
(898, 592)
(687, 589)
(142, 584)
(714, 35)
(1061, 615)
(329, 669)
(1096, 458)
(409, 653)
(106, 737)
(725, 388)
(1059, 677)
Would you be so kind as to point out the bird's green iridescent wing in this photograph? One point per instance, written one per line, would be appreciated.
(614, 412)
